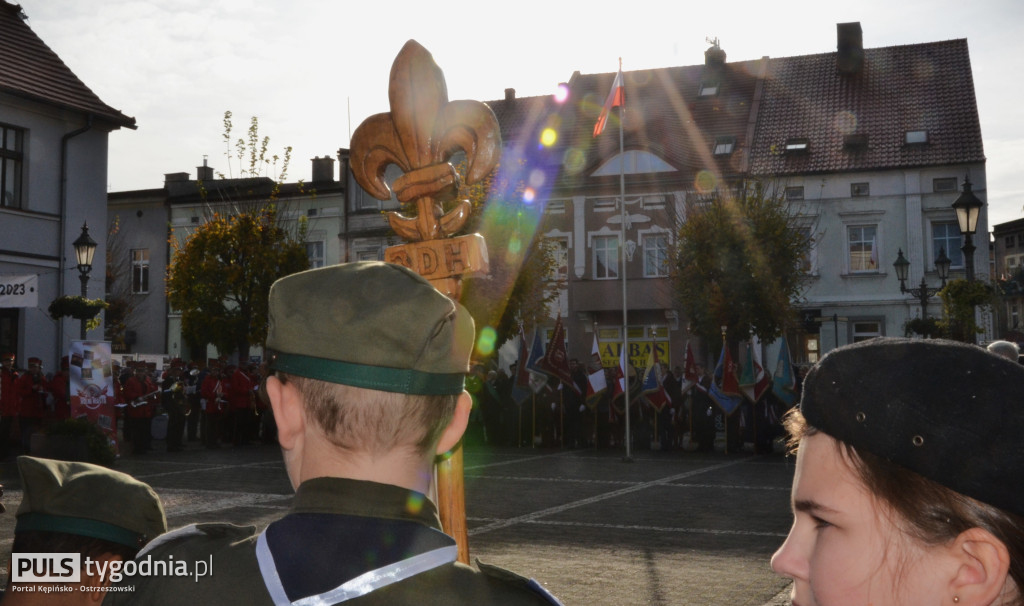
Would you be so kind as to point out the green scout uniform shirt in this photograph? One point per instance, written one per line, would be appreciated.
(337, 530)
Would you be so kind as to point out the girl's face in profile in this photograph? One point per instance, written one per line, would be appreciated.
(843, 547)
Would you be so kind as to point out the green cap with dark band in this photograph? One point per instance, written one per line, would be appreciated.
(369, 324)
(87, 500)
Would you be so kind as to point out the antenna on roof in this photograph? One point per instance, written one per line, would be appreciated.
(712, 41)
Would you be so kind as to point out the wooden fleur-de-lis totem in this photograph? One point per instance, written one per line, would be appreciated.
(420, 134)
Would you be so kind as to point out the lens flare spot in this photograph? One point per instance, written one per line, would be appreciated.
(561, 93)
(548, 136)
(537, 179)
(515, 245)
(529, 195)
(414, 504)
(473, 383)
(846, 122)
(485, 342)
(706, 182)
(573, 160)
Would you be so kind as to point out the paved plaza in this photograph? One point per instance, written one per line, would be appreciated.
(666, 528)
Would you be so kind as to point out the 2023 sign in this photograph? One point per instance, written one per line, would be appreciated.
(12, 289)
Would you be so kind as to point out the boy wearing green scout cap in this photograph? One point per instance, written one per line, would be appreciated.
(367, 364)
(101, 515)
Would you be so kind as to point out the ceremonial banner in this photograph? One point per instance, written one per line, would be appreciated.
(19, 290)
(92, 386)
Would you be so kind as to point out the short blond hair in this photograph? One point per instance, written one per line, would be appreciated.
(371, 421)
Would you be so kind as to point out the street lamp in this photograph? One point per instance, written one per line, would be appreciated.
(922, 292)
(85, 248)
(968, 209)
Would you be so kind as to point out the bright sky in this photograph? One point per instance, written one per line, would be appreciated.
(312, 70)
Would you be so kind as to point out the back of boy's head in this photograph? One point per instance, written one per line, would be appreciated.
(372, 327)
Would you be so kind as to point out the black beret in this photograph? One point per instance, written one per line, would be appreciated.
(949, 411)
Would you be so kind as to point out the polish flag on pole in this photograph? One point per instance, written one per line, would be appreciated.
(616, 98)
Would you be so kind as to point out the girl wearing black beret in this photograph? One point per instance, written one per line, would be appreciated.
(908, 486)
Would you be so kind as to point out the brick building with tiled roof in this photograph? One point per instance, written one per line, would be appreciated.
(53, 179)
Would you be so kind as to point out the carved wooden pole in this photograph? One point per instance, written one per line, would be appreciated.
(420, 134)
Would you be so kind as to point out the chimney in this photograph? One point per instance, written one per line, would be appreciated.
(323, 170)
(714, 57)
(175, 178)
(850, 47)
(204, 172)
(510, 94)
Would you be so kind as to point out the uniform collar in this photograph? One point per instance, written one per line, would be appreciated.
(363, 498)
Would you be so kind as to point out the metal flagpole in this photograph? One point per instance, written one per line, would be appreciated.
(625, 325)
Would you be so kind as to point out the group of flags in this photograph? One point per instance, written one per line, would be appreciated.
(537, 363)
(728, 388)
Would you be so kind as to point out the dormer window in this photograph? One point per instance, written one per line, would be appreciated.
(855, 142)
(724, 145)
(797, 145)
(708, 88)
(916, 137)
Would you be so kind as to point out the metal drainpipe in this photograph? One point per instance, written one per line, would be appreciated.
(64, 219)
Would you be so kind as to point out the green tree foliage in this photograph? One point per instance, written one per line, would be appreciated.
(738, 263)
(959, 300)
(521, 281)
(219, 278)
(220, 274)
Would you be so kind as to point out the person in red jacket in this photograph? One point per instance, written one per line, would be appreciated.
(60, 387)
(33, 389)
(212, 391)
(241, 398)
(139, 392)
(9, 401)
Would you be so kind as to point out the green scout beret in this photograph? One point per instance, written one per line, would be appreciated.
(87, 500)
(948, 411)
(369, 324)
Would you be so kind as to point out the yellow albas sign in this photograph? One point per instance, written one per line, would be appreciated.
(639, 353)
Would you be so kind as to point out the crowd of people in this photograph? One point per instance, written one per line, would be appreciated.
(214, 402)
(559, 415)
(29, 401)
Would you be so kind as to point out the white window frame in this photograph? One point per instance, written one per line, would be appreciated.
(709, 88)
(950, 241)
(809, 263)
(12, 166)
(875, 253)
(652, 237)
(611, 264)
(796, 145)
(861, 331)
(315, 260)
(139, 258)
(560, 271)
(916, 137)
(724, 146)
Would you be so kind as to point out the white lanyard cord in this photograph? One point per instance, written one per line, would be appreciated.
(353, 588)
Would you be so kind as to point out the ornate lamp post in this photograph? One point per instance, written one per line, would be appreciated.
(968, 209)
(922, 292)
(85, 248)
